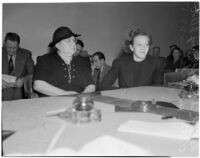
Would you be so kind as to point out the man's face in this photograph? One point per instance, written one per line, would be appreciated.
(196, 54)
(11, 47)
(176, 54)
(97, 62)
(156, 52)
(79, 49)
(140, 46)
(67, 46)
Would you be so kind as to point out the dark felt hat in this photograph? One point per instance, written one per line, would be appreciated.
(62, 33)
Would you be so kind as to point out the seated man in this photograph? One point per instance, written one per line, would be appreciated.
(80, 49)
(82, 54)
(136, 68)
(18, 64)
(99, 68)
(58, 72)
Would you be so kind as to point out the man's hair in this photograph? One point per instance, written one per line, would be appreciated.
(172, 46)
(137, 32)
(12, 37)
(100, 55)
(156, 47)
(80, 43)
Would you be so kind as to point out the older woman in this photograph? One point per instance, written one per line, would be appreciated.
(58, 72)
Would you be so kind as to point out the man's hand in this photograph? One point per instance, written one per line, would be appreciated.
(5, 84)
(19, 83)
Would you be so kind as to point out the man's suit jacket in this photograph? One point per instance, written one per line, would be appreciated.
(24, 65)
(151, 73)
(104, 71)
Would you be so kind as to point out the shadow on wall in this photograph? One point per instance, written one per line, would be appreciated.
(124, 49)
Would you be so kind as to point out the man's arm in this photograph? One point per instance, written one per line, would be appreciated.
(29, 64)
(50, 90)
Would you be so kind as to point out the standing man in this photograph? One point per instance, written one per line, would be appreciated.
(17, 63)
(99, 68)
(136, 68)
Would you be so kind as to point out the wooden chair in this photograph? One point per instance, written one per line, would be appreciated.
(172, 77)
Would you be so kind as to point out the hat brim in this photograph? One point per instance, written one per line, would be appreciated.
(60, 39)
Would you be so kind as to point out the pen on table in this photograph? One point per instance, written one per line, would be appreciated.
(54, 113)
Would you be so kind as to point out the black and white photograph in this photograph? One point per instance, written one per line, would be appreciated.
(100, 78)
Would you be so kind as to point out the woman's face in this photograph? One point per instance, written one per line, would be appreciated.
(196, 54)
(140, 47)
(176, 53)
(67, 46)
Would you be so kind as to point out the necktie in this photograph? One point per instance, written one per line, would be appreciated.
(10, 66)
(98, 79)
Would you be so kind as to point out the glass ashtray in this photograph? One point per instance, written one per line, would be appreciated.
(81, 116)
(185, 94)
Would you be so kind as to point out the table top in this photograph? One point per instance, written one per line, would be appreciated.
(34, 132)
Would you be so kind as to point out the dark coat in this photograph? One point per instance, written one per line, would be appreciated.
(151, 73)
(24, 66)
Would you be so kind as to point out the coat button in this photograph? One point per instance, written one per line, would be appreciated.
(65, 76)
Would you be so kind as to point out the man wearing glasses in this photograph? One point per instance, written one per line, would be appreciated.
(58, 72)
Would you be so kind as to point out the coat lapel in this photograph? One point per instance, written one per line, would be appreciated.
(4, 61)
(19, 64)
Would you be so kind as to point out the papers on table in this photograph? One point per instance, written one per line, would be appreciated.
(8, 78)
(169, 129)
(102, 146)
(111, 146)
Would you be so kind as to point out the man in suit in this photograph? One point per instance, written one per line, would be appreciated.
(136, 68)
(99, 68)
(17, 63)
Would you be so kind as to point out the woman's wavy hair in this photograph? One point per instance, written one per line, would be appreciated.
(136, 32)
(132, 34)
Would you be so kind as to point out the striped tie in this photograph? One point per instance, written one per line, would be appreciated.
(10, 66)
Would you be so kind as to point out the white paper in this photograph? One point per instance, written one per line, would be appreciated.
(8, 78)
(102, 146)
(170, 129)
(111, 146)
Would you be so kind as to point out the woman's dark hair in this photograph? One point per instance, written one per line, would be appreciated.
(137, 32)
(52, 50)
(12, 37)
(195, 48)
(170, 56)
